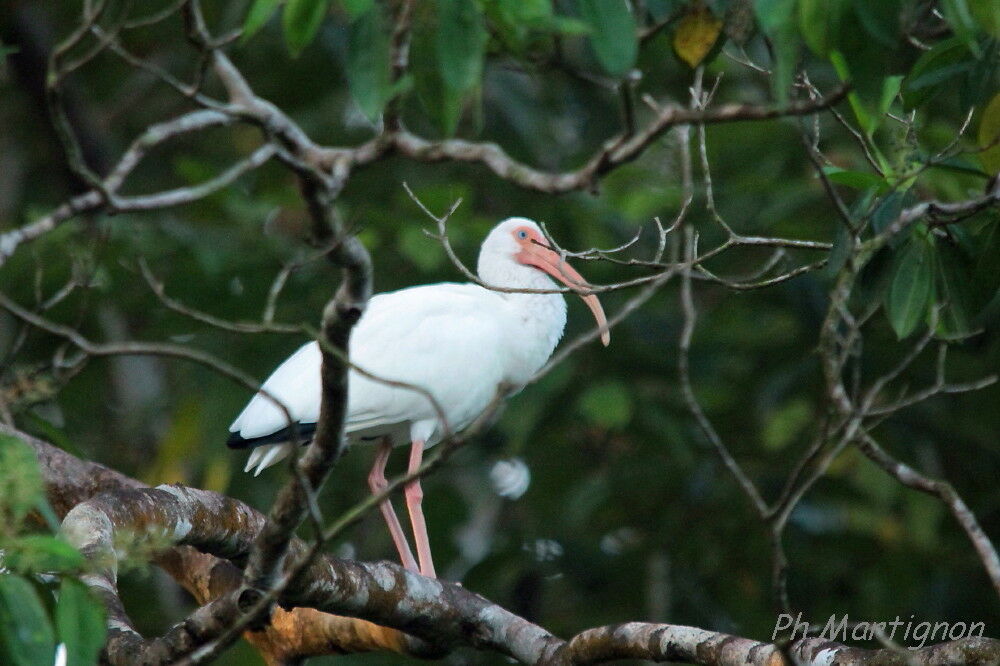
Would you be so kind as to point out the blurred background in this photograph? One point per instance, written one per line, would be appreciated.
(595, 498)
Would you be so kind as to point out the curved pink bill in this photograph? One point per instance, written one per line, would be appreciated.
(543, 258)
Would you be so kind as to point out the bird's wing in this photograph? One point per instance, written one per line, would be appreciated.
(295, 383)
(446, 338)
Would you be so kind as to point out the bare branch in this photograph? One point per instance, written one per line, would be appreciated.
(683, 369)
(159, 289)
(615, 152)
(831, 192)
(96, 200)
(384, 593)
(943, 490)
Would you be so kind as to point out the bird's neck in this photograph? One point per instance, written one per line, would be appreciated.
(543, 317)
(540, 317)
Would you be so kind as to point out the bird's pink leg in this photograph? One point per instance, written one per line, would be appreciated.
(414, 497)
(377, 482)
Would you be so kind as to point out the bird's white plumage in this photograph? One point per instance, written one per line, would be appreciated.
(429, 336)
(458, 341)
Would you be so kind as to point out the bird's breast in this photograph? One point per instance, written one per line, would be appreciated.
(539, 320)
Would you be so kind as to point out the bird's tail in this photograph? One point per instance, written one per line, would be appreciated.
(264, 456)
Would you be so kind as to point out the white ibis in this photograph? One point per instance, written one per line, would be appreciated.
(460, 342)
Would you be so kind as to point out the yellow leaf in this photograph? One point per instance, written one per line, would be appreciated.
(989, 136)
(696, 34)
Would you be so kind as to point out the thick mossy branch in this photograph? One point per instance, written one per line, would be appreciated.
(292, 634)
(101, 505)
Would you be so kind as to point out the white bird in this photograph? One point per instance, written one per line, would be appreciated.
(460, 342)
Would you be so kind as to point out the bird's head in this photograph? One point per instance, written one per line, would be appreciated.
(516, 251)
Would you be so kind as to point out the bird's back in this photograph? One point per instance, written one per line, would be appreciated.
(447, 338)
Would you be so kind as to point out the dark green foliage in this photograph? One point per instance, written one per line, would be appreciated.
(447, 53)
(80, 623)
(776, 19)
(29, 627)
(368, 62)
(260, 12)
(301, 20)
(25, 631)
(910, 292)
(621, 477)
(40, 553)
(612, 33)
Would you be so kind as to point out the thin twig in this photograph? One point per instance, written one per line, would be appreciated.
(944, 491)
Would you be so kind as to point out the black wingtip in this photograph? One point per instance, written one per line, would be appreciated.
(304, 432)
(236, 441)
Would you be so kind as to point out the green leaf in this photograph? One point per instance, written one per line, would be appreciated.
(864, 205)
(786, 58)
(910, 291)
(301, 20)
(887, 211)
(442, 107)
(613, 35)
(869, 110)
(958, 164)
(946, 60)
(867, 59)
(80, 623)
(461, 41)
(607, 404)
(861, 114)
(987, 264)
(989, 136)
(873, 281)
(48, 515)
(859, 180)
(259, 14)
(959, 17)
(980, 81)
(21, 486)
(521, 25)
(839, 253)
(25, 631)
(890, 89)
(932, 79)
(41, 553)
(819, 22)
(368, 74)
(777, 20)
(954, 290)
(880, 19)
(446, 58)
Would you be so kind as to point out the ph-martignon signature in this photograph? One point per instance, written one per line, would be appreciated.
(911, 633)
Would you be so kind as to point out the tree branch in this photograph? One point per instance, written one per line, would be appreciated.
(944, 491)
(384, 593)
(614, 153)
